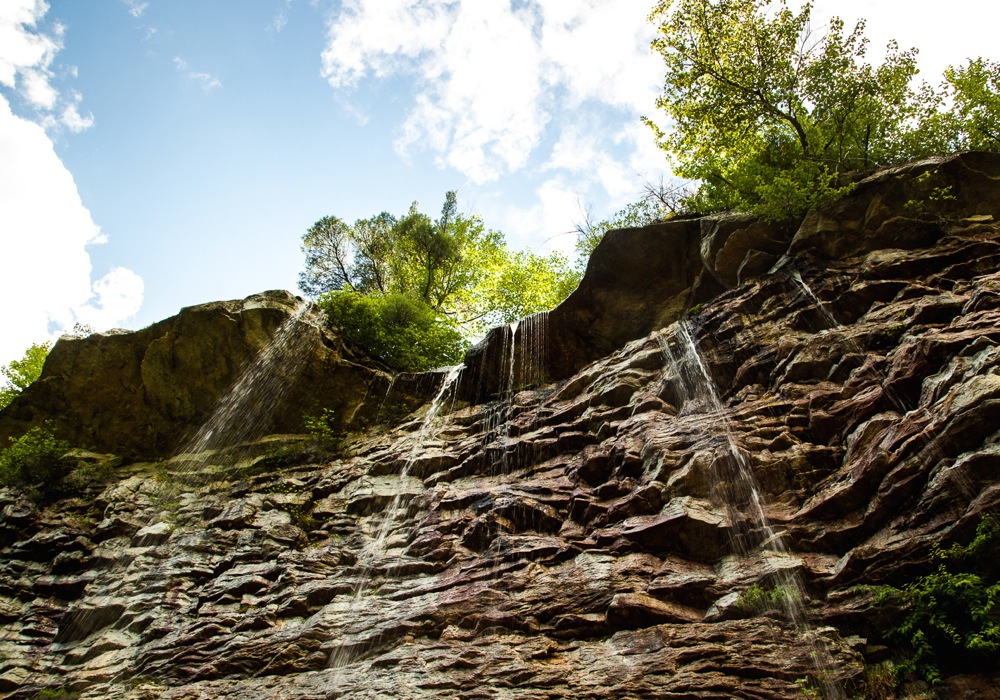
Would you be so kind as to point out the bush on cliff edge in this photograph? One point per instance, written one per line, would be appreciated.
(35, 462)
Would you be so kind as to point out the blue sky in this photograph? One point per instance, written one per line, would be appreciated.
(161, 153)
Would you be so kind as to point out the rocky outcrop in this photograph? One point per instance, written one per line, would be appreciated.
(813, 428)
(638, 280)
(148, 392)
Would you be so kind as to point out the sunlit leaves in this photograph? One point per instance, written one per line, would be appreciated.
(20, 373)
(766, 113)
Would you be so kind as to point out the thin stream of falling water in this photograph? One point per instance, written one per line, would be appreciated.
(509, 388)
(507, 399)
(887, 391)
(533, 349)
(752, 532)
(423, 435)
(495, 427)
(244, 412)
(820, 306)
(369, 556)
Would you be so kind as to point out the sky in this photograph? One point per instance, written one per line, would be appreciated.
(156, 154)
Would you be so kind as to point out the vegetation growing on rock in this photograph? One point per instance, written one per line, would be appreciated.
(949, 619)
(768, 116)
(19, 374)
(411, 291)
(35, 462)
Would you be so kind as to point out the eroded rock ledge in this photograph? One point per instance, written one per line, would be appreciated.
(642, 279)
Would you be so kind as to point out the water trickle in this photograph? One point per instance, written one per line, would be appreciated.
(375, 550)
(428, 428)
(820, 306)
(736, 489)
(534, 359)
(246, 410)
(243, 414)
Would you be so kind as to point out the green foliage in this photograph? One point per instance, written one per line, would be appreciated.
(768, 116)
(932, 204)
(34, 462)
(808, 689)
(522, 284)
(20, 373)
(880, 682)
(973, 123)
(55, 694)
(430, 282)
(322, 428)
(404, 332)
(951, 617)
(758, 599)
(413, 255)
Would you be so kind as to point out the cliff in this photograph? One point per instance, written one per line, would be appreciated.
(682, 482)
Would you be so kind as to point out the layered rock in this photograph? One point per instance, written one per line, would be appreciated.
(590, 537)
(146, 393)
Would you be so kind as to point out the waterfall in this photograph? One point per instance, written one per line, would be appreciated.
(370, 555)
(242, 414)
(736, 489)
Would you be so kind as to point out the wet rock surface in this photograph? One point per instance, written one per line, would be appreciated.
(583, 538)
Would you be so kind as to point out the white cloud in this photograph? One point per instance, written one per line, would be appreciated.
(550, 222)
(280, 19)
(136, 7)
(26, 57)
(118, 296)
(45, 276)
(206, 81)
(494, 79)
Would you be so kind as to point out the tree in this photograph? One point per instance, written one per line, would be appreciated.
(20, 373)
(428, 284)
(975, 91)
(413, 255)
(767, 115)
(524, 283)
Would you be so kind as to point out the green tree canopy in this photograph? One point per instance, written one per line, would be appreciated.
(766, 114)
(428, 285)
(20, 373)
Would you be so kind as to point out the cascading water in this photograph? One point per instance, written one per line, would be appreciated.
(244, 412)
(820, 306)
(853, 344)
(976, 364)
(427, 429)
(534, 359)
(523, 361)
(375, 550)
(736, 489)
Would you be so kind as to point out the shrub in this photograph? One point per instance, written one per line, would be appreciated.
(321, 428)
(951, 618)
(401, 331)
(757, 600)
(35, 462)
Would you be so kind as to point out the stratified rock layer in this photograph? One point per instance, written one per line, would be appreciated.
(587, 538)
(147, 393)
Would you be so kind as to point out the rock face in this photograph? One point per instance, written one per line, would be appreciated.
(803, 432)
(146, 393)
